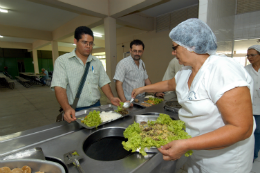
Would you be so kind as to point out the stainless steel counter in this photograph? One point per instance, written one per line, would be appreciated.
(59, 138)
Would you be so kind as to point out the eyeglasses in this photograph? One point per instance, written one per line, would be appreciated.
(175, 47)
(137, 51)
(252, 55)
(91, 44)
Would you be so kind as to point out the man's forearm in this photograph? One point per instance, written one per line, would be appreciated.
(120, 92)
(62, 98)
(107, 91)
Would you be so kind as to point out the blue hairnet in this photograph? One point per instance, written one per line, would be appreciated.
(195, 35)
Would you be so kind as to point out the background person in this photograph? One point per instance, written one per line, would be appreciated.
(170, 73)
(214, 92)
(131, 73)
(44, 77)
(68, 71)
(253, 55)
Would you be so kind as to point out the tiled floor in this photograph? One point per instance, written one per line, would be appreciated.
(26, 108)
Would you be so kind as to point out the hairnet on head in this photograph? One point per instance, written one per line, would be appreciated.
(256, 47)
(195, 35)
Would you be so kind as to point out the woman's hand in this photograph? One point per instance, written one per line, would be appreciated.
(173, 150)
(136, 91)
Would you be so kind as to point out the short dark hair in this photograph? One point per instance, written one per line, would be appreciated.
(136, 42)
(82, 30)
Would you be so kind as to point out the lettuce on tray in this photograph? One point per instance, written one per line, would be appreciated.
(136, 142)
(92, 119)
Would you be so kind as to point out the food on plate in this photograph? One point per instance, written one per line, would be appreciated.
(26, 169)
(107, 116)
(120, 109)
(136, 100)
(17, 170)
(154, 134)
(149, 96)
(5, 170)
(145, 104)
(92, 119)
(154, 101)
(95, 118)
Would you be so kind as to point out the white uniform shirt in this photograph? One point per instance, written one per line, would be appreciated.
(131, 75)
(256, 94)
(201, 115)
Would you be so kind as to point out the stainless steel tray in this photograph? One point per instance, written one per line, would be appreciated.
(146, 118)
(34, 153)
(34, 164)
(79, 117)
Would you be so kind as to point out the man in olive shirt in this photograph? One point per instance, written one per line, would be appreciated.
(68, 71)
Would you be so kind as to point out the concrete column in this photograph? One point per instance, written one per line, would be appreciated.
(55, 51)
(220, 16)
(35, 61)
(110, 48)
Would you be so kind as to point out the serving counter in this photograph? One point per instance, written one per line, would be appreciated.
(59, 138)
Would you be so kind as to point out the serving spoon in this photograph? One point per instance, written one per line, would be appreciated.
(127, 104)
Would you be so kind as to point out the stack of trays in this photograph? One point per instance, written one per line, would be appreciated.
(172, 106)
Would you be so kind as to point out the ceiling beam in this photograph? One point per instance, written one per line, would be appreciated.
(13, 31)
(68, 28)
(137, 21)
(83, 7)
(119, 8)
(15, 45)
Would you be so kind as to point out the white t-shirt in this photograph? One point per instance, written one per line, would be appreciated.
(201, 115)
(256, 94)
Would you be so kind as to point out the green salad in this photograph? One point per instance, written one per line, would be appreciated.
(154, 134)
(92, 119)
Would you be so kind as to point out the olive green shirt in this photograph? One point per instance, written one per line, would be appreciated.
(68, 70)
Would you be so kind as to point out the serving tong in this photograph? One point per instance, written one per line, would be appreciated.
(73, 157)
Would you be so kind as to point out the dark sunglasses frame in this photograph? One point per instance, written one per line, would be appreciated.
(175, 47)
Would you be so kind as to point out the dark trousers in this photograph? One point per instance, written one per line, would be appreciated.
(257, 136)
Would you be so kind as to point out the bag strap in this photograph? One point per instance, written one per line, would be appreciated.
(81, 85)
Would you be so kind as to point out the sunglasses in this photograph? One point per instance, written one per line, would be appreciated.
(175, 47)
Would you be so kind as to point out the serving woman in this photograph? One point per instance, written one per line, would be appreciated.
(214, 92)
(253, 55)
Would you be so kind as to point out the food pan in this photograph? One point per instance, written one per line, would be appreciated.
(34, 164)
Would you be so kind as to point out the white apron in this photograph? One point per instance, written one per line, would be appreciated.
(201, 115)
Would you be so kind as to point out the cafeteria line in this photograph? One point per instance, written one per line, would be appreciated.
(227, 111)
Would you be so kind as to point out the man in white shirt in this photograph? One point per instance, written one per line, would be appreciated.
(131, 73)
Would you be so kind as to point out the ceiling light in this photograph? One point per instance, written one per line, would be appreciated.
(3, 10)
(1, 36)
(97, 34)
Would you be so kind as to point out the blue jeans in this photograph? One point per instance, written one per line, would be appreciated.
(94, 105)
(257, 136)
(43, 80)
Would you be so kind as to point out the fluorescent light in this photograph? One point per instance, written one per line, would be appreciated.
(74, 44)
(1, 36)
(3, 10)
(97, 34)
